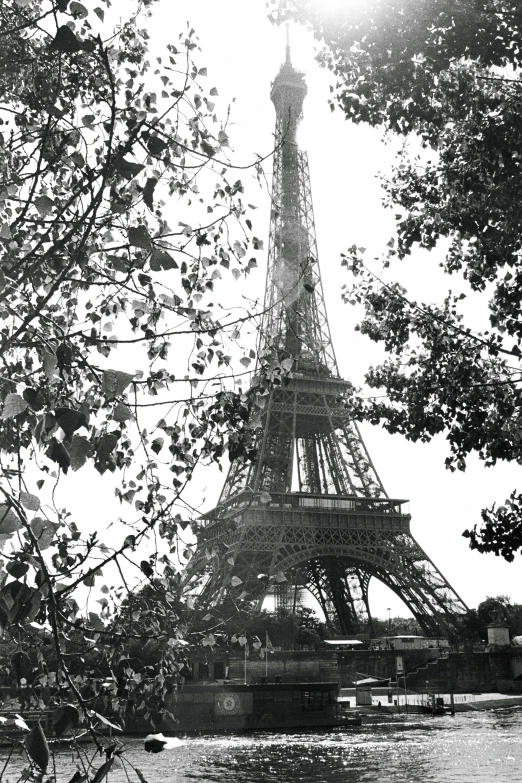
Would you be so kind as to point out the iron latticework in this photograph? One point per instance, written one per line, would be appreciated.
(310, 510)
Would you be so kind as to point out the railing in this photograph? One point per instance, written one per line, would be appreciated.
(303, 500)
(374, 505)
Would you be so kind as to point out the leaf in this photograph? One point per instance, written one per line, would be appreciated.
(5, 231)
(17, 569)
(9, 521)
(30, 502)
(96, 622)
(236, 581)
(31, 608)
(140, 237)
(64, 719)
(122, 413)
(44, 205)
(114, 382)
(58, 453)
(105, 721)
(45, 531)
(20, 722)
(160, 259)
(223, 139)
(34, 398)
(79, 777)
(4, 622)
(103, 771)
(141, 776)
(50, 364)
(37, 747)
(127, 168)
(208, 149)
(79, 450)
(157, 445)
(21, 666)
(147, 568)
(65, 41)
(265, 497)
(148, 192)
(70, 419)
(78, 10)
(14, 405)
(156, 145)
(213, 91)
(106, 446)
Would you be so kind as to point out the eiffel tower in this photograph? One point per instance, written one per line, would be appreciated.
(310, 512)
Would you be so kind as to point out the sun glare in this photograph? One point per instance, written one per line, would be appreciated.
(333, 7)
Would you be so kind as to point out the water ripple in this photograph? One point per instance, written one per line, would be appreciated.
(466, 749)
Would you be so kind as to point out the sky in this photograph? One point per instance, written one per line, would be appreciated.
(242, 52)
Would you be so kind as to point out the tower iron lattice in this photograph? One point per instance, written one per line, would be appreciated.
(310, 511)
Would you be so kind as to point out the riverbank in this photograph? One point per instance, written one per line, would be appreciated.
(388, 701)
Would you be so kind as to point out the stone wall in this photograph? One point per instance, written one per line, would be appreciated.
(357, 664)
(462, 672)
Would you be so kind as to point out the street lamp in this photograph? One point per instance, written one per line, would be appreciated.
(389, 621)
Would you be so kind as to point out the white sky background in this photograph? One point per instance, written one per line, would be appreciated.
(243, 52)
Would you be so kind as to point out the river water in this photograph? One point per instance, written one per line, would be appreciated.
(478, 747)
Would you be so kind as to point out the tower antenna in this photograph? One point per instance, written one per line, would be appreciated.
(288, 60)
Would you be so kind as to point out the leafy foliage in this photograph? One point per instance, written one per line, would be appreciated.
(446, 77)
(498, 609)
(118, 218)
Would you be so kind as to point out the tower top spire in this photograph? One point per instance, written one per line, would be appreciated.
(288, 88)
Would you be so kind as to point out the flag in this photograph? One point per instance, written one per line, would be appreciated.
(268, 645)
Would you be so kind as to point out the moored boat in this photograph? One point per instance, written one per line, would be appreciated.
(230, 707)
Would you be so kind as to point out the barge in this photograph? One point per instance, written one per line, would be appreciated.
(230, 707)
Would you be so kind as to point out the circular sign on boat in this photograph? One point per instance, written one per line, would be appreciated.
(230, 704)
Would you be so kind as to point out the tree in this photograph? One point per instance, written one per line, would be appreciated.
(106, 155)
(499, 609)
(447, 77)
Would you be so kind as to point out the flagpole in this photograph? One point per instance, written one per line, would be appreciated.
(246, 662)
(266, 654)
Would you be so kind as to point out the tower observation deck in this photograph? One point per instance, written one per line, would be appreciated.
(310, 512)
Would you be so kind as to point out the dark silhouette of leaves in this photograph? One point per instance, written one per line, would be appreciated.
(156, 145)
(65, 41)
(65, 718)
(59, 454)
(148, 192)
(160, 259)
(37, 747)
(70, 420)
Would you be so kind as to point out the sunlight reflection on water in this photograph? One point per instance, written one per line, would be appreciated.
(470, 748)
(465, 749)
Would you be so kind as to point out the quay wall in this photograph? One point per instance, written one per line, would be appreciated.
(457, 672)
